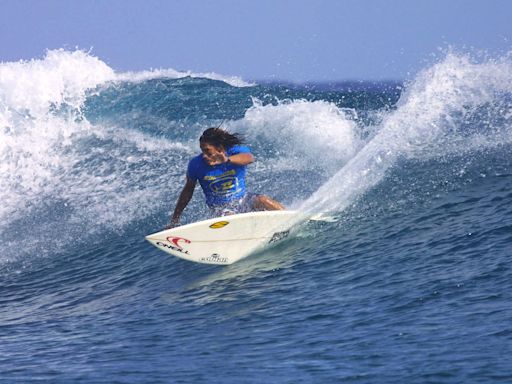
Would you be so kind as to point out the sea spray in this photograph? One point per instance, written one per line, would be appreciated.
(431, 120)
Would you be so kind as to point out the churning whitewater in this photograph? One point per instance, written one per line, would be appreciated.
(411, 283)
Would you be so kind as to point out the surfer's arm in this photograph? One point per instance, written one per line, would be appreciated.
(241, 159)
(183, 200)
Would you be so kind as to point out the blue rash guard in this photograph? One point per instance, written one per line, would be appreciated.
(221, 183)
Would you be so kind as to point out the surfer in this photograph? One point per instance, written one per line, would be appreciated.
(220, 170)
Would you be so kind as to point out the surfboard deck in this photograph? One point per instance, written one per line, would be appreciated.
(225, 240)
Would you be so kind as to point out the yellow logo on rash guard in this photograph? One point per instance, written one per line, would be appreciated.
(219, 224)
(224, 186)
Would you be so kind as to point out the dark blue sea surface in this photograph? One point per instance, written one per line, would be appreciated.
(409, 281)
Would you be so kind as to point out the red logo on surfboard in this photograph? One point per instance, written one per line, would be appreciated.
(177, 240)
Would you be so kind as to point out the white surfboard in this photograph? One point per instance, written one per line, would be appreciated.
(225, 240)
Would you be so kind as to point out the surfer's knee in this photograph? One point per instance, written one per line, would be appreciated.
(265, 203)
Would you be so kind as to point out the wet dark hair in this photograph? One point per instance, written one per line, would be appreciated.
(219, 137)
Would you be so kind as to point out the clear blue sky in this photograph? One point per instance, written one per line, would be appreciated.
(315, 40)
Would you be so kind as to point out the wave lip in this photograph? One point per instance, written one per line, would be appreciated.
(170, 73)
(35, 87)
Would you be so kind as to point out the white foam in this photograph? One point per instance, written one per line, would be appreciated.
(305, 133)
(61, 77)
(31, 137)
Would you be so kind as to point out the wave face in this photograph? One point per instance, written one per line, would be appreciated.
(409, 284)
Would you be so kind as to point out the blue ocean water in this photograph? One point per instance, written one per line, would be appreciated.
(412, 283)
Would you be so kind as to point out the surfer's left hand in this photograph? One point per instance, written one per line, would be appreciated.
(172, 224)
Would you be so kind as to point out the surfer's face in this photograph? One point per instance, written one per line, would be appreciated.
(212, 154)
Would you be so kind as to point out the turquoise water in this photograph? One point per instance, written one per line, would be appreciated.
(412, 283)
